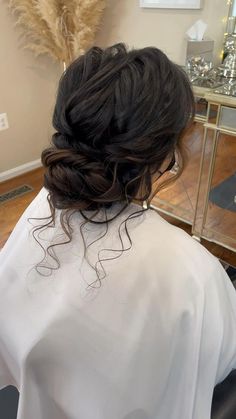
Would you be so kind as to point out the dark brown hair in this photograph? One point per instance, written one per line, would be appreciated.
(118, 115)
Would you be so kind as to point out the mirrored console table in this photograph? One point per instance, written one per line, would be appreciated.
(205, 195)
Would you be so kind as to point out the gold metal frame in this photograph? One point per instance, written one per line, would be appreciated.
(209, 179)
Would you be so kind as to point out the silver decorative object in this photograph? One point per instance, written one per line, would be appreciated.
(221, 79)
(229, 88)
(228, 68)
(202, 73)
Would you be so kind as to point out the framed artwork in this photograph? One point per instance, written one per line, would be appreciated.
(172, 4)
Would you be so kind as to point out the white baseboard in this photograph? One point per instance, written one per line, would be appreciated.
(20, 170)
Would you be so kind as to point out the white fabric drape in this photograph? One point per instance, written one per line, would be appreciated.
(150, 343)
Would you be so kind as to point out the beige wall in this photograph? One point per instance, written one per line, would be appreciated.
(125, 21)
(27, 84)
(27, 92)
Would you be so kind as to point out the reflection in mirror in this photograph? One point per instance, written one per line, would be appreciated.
(213, 113)
(200, 107)
(228, 118)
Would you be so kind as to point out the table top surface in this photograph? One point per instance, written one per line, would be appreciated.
(210, 96)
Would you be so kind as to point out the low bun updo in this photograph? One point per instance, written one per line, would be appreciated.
(118, 116)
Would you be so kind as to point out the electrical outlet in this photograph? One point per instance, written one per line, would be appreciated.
(3, 121)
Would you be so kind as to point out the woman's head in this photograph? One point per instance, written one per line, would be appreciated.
(119, 114)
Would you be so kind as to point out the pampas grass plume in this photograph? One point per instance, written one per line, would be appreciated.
(63, 29)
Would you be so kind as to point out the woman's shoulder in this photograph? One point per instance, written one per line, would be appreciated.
(170, 248)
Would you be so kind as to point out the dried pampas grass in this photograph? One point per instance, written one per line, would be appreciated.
(63, 29)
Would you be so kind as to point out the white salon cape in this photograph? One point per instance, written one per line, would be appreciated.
(151, 343)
